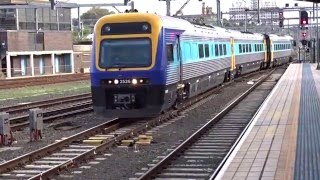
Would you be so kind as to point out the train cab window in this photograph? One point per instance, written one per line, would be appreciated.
(216, 50)
(200, 48)
(206, 50)
(125, 53)
(170, 53)
(224, 49)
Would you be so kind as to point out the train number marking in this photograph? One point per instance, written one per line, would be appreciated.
(125, 81)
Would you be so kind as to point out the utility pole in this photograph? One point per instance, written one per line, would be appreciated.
(218, 13)
(259, 11)
(245, 22)
(288, 27)
(272, 21)
(317, 48)
(168, 4)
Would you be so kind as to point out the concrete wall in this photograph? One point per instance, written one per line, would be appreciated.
(82, 57)
(59, 40)
(56, 40)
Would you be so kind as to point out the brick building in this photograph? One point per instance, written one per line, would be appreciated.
(34, 40)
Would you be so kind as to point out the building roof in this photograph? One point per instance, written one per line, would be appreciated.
(18, 2)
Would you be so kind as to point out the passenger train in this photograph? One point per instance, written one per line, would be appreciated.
(144, 64)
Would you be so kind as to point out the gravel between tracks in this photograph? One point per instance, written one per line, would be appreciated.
(125, 162)
(49, 135)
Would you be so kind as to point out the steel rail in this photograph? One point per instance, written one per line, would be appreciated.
(29, 157)
(151, 173)
(43, 104)
(17, 123)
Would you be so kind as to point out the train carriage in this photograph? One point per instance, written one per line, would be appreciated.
(144, 64)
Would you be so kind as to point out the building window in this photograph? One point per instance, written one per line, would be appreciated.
(8, 19)
(24, 65)
(42, 65)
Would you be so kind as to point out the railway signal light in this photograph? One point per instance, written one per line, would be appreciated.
(281, 18)
(281, 23)
(303, 18)
(304, 34)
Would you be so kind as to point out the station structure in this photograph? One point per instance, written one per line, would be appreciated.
(282, 141)
(35, 40)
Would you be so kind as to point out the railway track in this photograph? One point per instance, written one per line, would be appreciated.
(52, 159)
(20, 122)
(43, 80)
(20, 108)
(203, 154)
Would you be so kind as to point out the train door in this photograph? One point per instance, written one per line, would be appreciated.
(179, 58)
(267, 51)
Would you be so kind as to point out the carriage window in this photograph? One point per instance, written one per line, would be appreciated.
(206, 50)
(212, 50)
(216, 50)
(220, 49)
(240, 48)
(225, 49)
(170, 52)
(250, 50)
(200, 48)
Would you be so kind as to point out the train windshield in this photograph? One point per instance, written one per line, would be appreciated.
(125, 53)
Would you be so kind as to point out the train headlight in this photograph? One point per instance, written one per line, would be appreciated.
(145, 27)
(107, 28)
(134, 81)
(141, 80)
(116, 81)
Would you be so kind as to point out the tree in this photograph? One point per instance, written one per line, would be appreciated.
(88, 20)
(92, 15)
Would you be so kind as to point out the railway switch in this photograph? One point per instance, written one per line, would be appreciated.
(5, 131)
(36, 124)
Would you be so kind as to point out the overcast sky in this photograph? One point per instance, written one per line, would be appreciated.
(193, 7)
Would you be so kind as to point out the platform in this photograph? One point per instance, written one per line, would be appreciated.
(283, 141)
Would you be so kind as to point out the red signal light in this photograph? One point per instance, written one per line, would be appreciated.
(304, 34)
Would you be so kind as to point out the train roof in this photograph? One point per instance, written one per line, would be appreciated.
(275, 37)
(194, 29)
(214, 31)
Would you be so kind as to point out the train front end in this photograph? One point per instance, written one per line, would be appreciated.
(127, 78)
